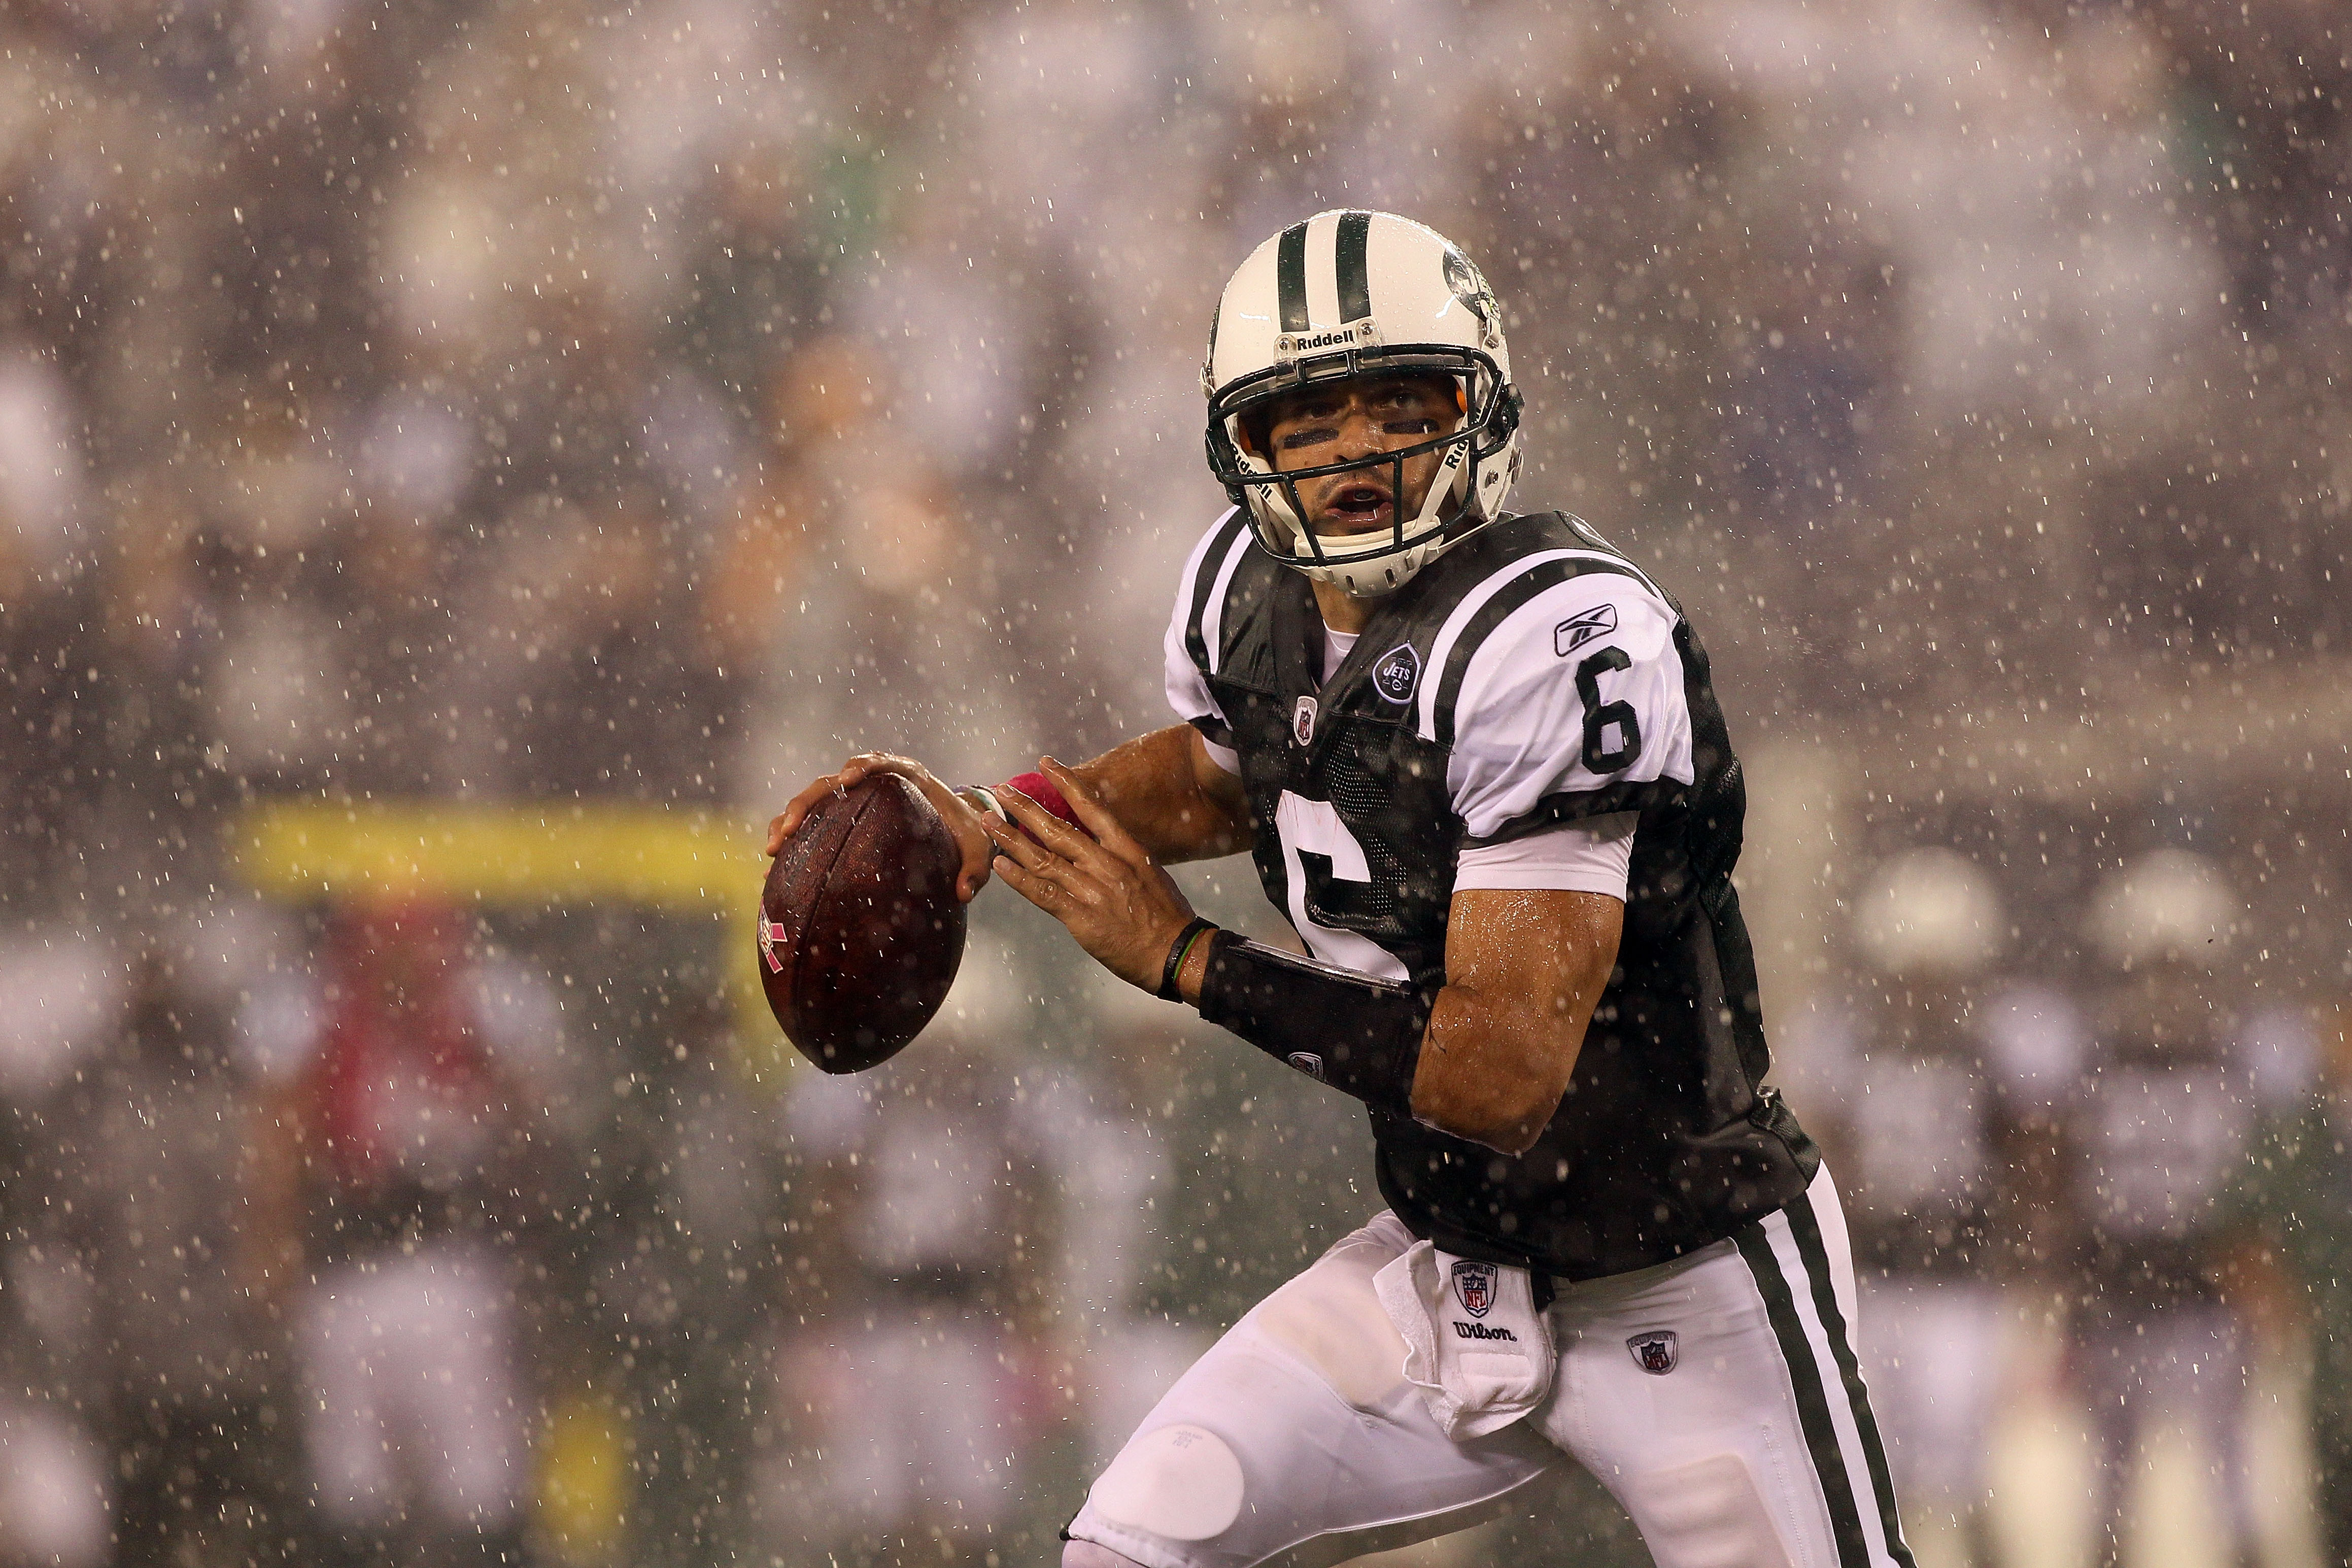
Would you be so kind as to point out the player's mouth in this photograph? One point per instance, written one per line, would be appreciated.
(1358, 507)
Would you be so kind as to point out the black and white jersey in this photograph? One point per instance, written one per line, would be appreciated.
(1921, 1126)
(1532, 676)
(2156, 1125)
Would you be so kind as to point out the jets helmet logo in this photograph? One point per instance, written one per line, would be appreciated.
(1474, 1284)
(1470, 288)
(1653, 1352)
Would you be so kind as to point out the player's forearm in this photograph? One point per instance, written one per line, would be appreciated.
(1524, 971)
(1493, 1067)
(1154, 786)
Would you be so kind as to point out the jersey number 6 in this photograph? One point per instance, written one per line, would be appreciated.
(1599, 715)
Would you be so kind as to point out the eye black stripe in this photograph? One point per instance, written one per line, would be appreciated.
(1290, 277)
(1355, 280)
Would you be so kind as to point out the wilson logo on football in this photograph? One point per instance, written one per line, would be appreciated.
(1576, 630)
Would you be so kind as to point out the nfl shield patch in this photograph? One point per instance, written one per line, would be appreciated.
(1474, 1284)
(1653, 1352)
(770, 931)
(1302, 721)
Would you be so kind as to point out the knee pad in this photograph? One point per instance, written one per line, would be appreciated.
(1180, 1483)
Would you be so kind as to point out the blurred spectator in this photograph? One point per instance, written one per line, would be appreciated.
(143, 1187)
(61, 997)
(395, 1169)
(2157, 1126)
(2293, 1193)
(914, 1390)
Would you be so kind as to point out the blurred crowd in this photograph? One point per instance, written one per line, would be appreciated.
(522, 401)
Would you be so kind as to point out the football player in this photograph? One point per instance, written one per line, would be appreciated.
(2157, 1123)
(1478, 762)
(1920, 1100)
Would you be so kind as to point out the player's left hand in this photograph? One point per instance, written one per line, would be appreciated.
(1121, 906)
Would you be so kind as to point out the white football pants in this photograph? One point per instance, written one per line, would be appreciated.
(1297, 1438)
(409, 1364)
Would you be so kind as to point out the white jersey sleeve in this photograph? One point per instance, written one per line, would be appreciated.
(1594, 855)
(1571, 703)
(1191, 648)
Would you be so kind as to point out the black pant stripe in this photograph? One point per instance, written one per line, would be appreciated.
(1290, 277)
(1355, 275)
(1805, 1226)
(1813, 1400)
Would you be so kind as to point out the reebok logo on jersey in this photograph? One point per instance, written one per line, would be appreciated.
(1481, 1331)
(1576, 630)
(1474, 1284)
(1653, 1352)
(1398, 673)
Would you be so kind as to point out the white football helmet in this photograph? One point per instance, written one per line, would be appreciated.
(1362, 294)
(2168, 906)
(1931, 911)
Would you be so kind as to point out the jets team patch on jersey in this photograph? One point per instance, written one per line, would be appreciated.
(1474, 1284)
(1398, 673)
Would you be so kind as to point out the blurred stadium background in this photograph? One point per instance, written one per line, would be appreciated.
(463, 463)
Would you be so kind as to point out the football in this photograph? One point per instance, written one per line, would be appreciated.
(860, 929)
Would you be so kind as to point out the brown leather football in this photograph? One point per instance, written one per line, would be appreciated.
(860, 929)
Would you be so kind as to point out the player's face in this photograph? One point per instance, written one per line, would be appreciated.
(1341, 421)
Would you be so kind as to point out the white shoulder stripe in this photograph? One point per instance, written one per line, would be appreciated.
(1476, 600)
(1188, 580)
(1212, 615)
(1451, 632)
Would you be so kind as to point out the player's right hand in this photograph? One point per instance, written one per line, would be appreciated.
(963, 821)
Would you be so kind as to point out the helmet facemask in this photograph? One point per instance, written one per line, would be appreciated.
(1379, 561)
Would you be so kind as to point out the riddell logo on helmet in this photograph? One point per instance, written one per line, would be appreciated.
(1349, 336)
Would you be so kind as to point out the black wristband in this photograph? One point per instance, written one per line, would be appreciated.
(1176, 952)
(1360, 1034)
